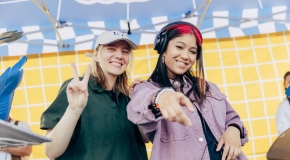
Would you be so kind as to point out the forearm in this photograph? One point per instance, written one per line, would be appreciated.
(61, 134)
(138, 108)
(19, 151)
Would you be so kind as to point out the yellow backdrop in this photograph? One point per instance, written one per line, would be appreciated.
(248, 70)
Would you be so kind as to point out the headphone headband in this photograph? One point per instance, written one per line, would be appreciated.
(160, 42)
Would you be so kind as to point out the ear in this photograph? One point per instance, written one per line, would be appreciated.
(95, 56)
(164, 53)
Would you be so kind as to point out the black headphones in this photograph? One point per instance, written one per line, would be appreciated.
(160, 42)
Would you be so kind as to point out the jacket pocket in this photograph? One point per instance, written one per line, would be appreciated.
(217, 101)
(173, 131)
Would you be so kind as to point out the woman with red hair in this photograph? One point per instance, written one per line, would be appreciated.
(184, 116)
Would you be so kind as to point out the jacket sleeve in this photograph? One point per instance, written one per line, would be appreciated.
(138, 110)
(282, 117)
(233, 119)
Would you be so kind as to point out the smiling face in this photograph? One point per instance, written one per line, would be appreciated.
(114, 58)
(180, 55)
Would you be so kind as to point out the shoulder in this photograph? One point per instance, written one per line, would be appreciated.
(146, 85)
(65, 83)
(212, 86)
(214, 91)
(283, 110)
(70, 79)
(284, 104)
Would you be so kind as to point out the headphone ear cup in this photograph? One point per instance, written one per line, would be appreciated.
(157, 45)
(163, 44)
(161, 39)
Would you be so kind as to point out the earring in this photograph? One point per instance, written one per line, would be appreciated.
(163, 59)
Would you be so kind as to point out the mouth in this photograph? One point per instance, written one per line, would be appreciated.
(182, 63)
(117, 64)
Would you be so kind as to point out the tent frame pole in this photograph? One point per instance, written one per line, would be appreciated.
(203, 13)
(122, 30)
(243, 20)
(44, 8)
(52, 20)
(191, 14)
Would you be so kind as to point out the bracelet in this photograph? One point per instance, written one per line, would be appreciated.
(158, 94)
(155, 107)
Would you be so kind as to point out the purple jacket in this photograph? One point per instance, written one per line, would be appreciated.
(173, 141)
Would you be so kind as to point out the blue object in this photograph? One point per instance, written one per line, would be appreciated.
(287, 92)
(9, 81)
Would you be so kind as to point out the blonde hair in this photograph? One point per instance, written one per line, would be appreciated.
(98, 72)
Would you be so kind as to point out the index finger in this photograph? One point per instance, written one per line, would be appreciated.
(87, 74)
(75, 71)
(181, 116)
(220, 144)
(186, 102)
(184, 119)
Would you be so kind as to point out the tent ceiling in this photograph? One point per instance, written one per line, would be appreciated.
(73, 24)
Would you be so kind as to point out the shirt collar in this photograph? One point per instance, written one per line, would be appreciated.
(94, 86)
(176, 83)
(97, 87)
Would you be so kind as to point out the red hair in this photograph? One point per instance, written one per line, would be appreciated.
(187, 29)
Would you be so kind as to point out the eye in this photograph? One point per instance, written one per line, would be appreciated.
(193, 52)
(125, 51)
(179, 47)
(111, 49)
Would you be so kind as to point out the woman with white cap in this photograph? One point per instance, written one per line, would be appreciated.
(88, 118)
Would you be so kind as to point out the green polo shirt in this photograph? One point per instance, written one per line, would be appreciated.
(103, 131)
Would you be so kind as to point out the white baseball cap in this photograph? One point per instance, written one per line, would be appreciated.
(108, 37)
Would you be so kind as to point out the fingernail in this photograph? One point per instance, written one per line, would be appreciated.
(189, 123)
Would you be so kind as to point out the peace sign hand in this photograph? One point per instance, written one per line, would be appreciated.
(77, 91)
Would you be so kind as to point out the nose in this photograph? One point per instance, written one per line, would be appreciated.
(118, 54)
(184, 54)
